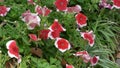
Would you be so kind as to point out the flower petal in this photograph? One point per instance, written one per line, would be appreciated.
(81, 19)
(44, 34)
(62, 44)
(3, 10)
(61, 5)
(89, 36)
(13, 50)
(94, 60)
(74, 9)
(33, 37)
(69, 66)
(32, 20)
(116, 4)
(56, 26)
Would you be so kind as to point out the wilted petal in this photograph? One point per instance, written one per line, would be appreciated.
(81, 19)
(62, 44)
(104, 4)
(84, 55)
(31, 19)
(74, 9)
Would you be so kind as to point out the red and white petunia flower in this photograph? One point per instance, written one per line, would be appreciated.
(89, 36)
(69, 66)
(94, 60)
(54, 34)
(116, 4)
(61, 5)
(31, 2)
(62, 44)
(81, 19)
(84, 55)
(33, 37)
(44, 34)
(56, 26)
(42, 11)
(13, 50)
(32, 20)
(4, 10)
(74, 9)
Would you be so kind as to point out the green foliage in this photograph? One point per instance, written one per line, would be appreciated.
(104, 22)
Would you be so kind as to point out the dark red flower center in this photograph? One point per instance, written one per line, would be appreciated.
(62, 44)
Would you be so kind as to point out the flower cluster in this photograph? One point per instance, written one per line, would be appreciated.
(87, 58)
(32, 20)
(61, 5)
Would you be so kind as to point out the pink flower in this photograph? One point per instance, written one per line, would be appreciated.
(13, 50)
(74, 9)
(31, 2)
(116, 4)
(44, 34)
(56, 26)
(32, 20)
(81, 19)
(94, 60)
(3, 10)
(42, 11)
(89, 36)
(33, 37)
(61, 5)
(69, 66)
(104, 4)
(84, 55)
(62, 44)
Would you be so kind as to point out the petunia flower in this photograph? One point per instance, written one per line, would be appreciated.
(116, 4)
(31, 2)
(44, 34)
(81, 19)
(32, 20)
(104, 4)
(89, 36)
(84, 55)
(4, 10)
(42, 11)
(74, 9)
(69, 66)
(13, 50)
(62, 44)
(94, 60)
(61, 5)
(33, 37)
(54, 34)
(56, 26)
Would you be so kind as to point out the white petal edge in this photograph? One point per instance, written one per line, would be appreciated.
(9, 42)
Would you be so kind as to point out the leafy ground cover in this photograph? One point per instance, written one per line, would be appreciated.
(59, 33)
